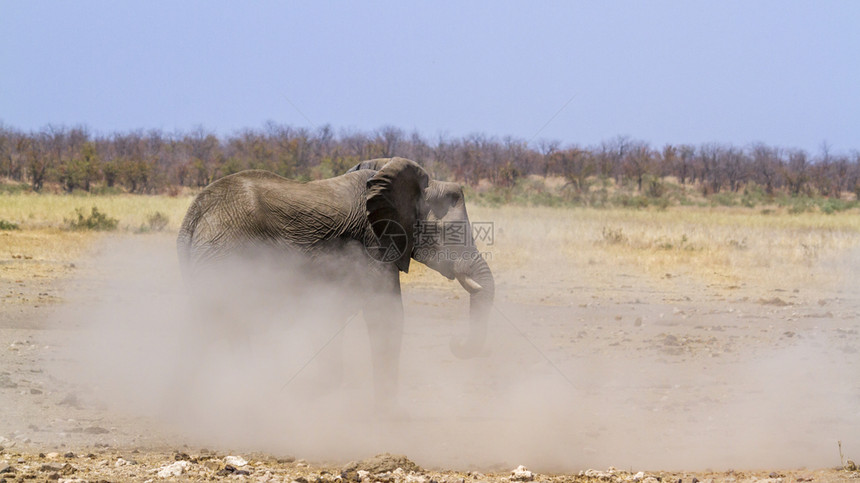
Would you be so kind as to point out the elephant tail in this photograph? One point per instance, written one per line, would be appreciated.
(184, 239)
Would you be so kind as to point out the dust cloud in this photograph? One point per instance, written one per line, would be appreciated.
(255, 368)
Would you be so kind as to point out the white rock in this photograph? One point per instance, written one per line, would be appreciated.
(416, 479)
(236, 461)
(601, 475)
(639, 476)
(521, 473)
(175, 469)
(122, 462)
(362, 474)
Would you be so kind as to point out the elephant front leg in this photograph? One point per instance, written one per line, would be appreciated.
(384, 317)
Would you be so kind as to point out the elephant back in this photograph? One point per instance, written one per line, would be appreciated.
(371, 164)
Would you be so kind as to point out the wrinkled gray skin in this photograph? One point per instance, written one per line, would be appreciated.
(252, 210)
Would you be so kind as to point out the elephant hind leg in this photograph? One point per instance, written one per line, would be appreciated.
(328, 373)
(383, 314)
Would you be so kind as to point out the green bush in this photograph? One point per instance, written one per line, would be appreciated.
(106, 190)
(15, 188)
(629, 201)
(655, 188)
(755, 195)
(723, 199)
(7, 225)
(97, 221)
(834, 205)
(158, 221)
(797, 204)
(155, 222)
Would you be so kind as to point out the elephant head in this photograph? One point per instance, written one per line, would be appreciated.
(437, 233)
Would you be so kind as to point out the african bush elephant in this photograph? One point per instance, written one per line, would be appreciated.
(379, 213)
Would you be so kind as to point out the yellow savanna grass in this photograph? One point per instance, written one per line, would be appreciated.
(727, 246)
(723, 246)
(52, 210)
(43, 246)
(41, 253)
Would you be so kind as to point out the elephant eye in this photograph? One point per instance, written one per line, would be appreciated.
(454, 197)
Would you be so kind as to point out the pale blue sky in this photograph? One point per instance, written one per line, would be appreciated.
(783, 72)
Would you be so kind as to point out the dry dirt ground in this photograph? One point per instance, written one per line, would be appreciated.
(593, 363)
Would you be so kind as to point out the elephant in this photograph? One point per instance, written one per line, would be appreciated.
(378, 214)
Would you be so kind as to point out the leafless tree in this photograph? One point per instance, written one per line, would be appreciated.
(733, 166)
(797, 171)
(684, 169)
(637, 161)
(389, 139)
(577, 166)
(74, 158)
(766, 167)
(547, 147)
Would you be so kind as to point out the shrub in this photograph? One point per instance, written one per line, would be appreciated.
(97, 221)
(7, 225)
(629, 201)
(656, 188)
(106, 190)
(155, 222)
(722, 199)
(613, 236)
(833, 205)
(15, 188)
(754, 195)
(158, 221)
(661, 203)
(797, 204)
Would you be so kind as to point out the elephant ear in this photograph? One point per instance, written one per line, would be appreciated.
(374, 164)
(394, 201)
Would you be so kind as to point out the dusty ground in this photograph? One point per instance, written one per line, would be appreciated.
(597, 360)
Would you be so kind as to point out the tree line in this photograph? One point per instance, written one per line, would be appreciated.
(154, 161)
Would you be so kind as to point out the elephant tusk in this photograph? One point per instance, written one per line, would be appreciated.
(469, 284)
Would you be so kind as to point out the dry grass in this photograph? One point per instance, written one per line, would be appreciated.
(43, 248)
(31, 259)
(727, 247)
(716, 246)
(51, 210)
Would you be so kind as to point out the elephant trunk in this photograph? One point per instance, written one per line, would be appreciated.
(477, 279)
